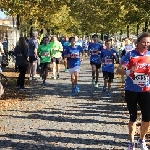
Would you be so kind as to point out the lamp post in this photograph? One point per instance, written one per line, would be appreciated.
(137, 29)
(128, 30)
(31, 28)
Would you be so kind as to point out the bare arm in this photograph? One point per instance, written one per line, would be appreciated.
(121, 70)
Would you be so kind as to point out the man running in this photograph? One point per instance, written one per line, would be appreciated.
(33, 46)
(56, 51)
(94, 52)
(107, 60)
(85, 47)
(73, 53)
(65, 43)
(45, 59)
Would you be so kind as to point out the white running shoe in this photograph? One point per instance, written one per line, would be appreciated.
(142, 144)
(131, 146)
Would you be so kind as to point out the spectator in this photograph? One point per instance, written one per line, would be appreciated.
(21, 53)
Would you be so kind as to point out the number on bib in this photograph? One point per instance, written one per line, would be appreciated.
(141, 79)
(108, 61)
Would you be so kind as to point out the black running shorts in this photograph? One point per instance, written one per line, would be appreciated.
(138, 98)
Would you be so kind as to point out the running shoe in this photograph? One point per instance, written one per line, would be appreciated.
(142, 144)
(108, 94)
(93, 81)
(44, 83)
(73, 93)
(131, 146)
(53, 77)
(66, 70)
(96, 85)
(104, 89)
(33, 78)
(57, 76)
(30, 78)
(77, 88)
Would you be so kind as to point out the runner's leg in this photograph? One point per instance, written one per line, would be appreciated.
(93, 73)
(54, 69)
(73, 80)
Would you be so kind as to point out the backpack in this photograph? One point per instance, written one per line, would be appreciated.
(21, 59)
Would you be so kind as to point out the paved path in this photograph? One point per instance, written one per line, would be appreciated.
(50, 119)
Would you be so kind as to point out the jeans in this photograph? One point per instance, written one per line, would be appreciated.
(21, 78)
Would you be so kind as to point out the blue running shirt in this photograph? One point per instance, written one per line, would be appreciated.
(139, 81)
(74, 59)
(107, 58)
(95, 51)
(65, 44)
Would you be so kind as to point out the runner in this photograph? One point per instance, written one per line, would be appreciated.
(128, 45)
(94, 52)
(21, 54)
(85, 47)
(137, 87)
(65, 43)
(107, 60)
(45, 59)
(33, 46)
(78, 42)
(56, 51)
(73, 53)
(1, 52)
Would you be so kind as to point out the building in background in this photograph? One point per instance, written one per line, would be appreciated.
(5, 25)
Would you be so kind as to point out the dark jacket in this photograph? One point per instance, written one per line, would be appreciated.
(21, 54)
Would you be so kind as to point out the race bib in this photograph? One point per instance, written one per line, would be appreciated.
(75, 55)
(141, 79)
(95, 52)
(45, 54)
(108, 61)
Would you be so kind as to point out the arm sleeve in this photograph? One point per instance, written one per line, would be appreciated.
(36, 45)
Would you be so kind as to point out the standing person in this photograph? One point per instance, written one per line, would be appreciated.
(85, 47)
(78, 42)
(73, 53)
(21, 54)
(65, 43)
(45, 58)
(137, 87)
(128, 45)
(1, 52)
(107, 60)
(33, 46)
(56, 51)
(94, 52)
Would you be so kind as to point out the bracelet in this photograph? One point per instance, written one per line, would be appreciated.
(128, 72)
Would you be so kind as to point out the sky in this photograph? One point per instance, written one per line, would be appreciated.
(2, 15)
